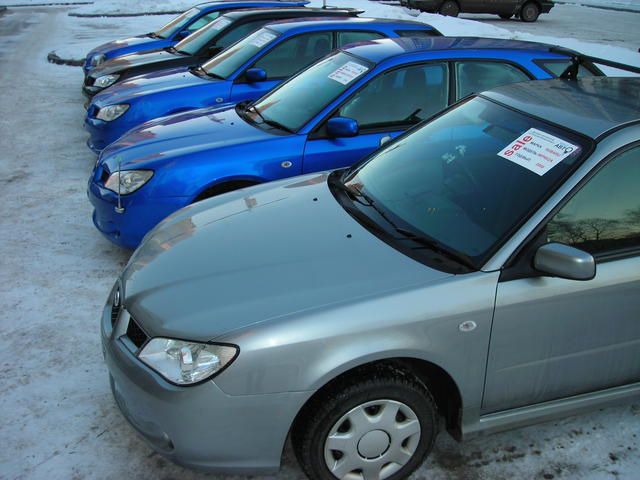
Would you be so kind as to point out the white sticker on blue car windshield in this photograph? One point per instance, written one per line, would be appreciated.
(220, 23)
(538, 151)
(262, 39)
(348, 72)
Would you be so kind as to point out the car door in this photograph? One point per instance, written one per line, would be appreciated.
(384, 107)
(554, 338)
(282, 62)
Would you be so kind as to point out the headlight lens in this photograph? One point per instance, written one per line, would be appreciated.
(112, 112)
(97, 60)
(106, 80)
(130, 180)
(186, 363)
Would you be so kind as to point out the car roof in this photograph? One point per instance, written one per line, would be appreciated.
(592, 106)
(218, 3)
(378, 50)
(305, 11)
(284, 26)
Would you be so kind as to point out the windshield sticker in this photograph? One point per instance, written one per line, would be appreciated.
(262, 39)
(220, 23)
(348, 72)
(538, 151)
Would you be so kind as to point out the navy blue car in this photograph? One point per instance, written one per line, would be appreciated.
(327, 117)
(201, 46)
(177, 29)
(245, 71)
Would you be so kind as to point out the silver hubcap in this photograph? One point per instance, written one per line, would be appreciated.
(372, 441)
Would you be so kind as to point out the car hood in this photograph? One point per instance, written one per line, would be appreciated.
(181, 135)
(152, 83)
(125, 62)
(128, 44)
(258, 255)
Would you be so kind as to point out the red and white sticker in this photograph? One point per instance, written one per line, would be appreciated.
(538, 151)
(262, 39)
(348, 72)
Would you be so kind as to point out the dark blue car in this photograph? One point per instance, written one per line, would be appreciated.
(245, 71)
(327, 117)
(177, 29)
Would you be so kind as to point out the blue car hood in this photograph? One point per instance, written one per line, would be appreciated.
(260, 254)
(118, 64)
(180, 135)
(127, 45)
(152, 83)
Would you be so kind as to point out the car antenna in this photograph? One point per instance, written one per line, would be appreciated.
(119, 208)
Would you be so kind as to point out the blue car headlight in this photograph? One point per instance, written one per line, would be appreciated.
(129, 181)
(97, 60)
(186, 363)
(111, 112)
(106, 80)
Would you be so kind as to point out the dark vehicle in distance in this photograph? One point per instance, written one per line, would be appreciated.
(526, 10)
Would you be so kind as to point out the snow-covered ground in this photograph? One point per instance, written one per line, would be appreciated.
(616, 4)
(57, 417)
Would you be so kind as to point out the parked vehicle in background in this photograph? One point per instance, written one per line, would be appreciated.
(201, 46)
(177, 29)
(245, 71)
(526, 10)
(481, 272)
(326, 117)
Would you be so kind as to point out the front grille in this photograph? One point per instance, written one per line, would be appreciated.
(88, 81)
(115, 313)
(135, 334)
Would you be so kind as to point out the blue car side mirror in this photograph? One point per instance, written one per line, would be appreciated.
(254, 75)
(342, 127)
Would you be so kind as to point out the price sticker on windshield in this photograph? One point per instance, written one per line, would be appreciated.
(220, 23)
(348, 72)
(262, 39)
(538, 151)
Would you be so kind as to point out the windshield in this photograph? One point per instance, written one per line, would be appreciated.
(228, 61)
(177, 23)
(305, 95)
(469, 177)
(200, 39)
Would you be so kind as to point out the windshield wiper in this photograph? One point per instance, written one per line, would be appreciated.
(201, 72)
(266, 121)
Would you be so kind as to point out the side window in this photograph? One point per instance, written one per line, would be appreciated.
(474, 77)
(604, 216)
(295, 54)
(401, 97)
(239, 32)
(345, 38)
(418, 33)
(557, 67)
(202, 21)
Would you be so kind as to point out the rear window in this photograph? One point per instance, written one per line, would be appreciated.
(558, 67)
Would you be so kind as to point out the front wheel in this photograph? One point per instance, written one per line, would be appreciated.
(530, 12)
(449, 8)
(379, 427)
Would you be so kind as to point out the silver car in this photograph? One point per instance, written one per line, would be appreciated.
(478, 273)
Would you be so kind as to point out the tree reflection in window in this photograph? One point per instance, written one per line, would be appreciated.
(604, 216)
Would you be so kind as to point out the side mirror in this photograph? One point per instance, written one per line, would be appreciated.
(183, 34)
(255, 75)
(342, 127)
(564, 261)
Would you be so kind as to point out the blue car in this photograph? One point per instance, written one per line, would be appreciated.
(326, 117)
(245, 71)
(177, 29)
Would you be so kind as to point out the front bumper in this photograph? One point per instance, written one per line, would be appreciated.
(201, 426)
(140, 213)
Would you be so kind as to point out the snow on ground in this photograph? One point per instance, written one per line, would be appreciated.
(57, 417)
(616, 4)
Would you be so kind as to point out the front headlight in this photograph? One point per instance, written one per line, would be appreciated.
(111, 112)
(130, 180)
(106, 80)
(186, 363)
(97, 60)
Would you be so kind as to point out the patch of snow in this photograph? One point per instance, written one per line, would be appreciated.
(614, 4)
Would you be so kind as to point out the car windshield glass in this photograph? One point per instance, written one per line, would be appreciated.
(469, 177)
(305, 95)
(228, 61)
(177, 23)
(198, 40)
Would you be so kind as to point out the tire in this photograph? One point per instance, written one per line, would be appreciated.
(505, 16)
(449, 8)
(530, 12)
(388, 414)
